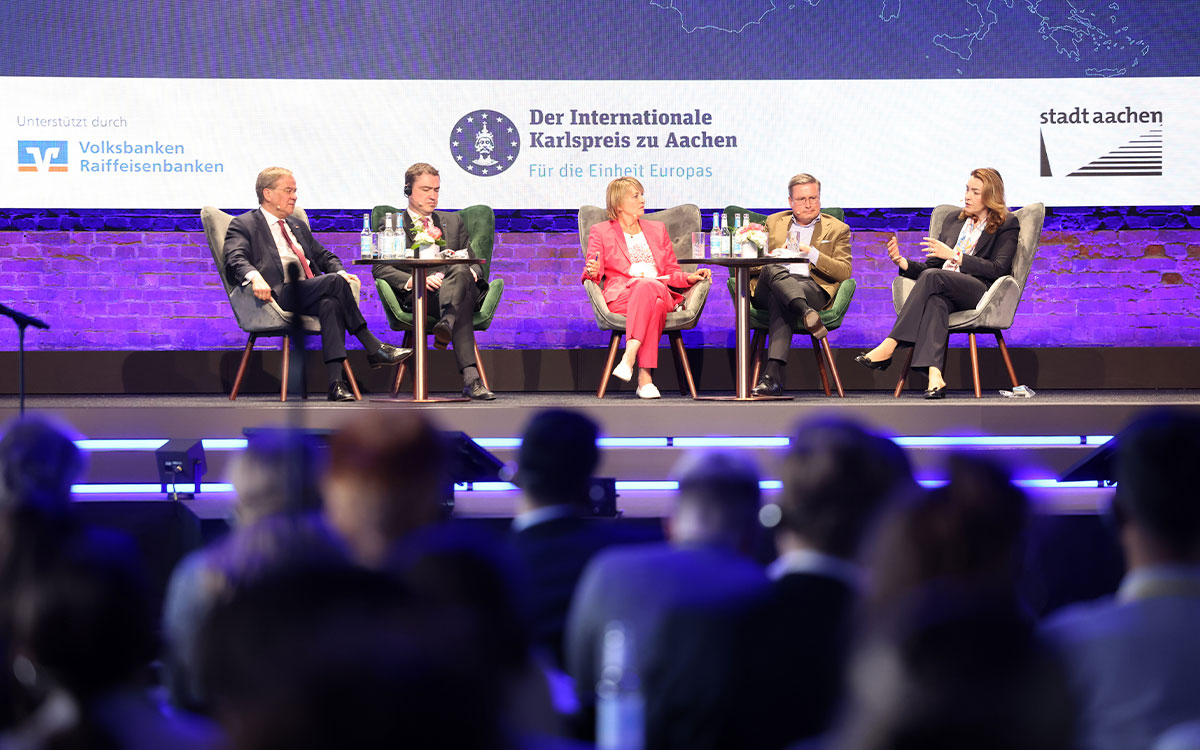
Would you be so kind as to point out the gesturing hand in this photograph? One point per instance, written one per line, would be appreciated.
(935, 248)
(703, 273)
(893, 250)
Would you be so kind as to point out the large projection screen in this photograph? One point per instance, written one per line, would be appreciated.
(537, 104)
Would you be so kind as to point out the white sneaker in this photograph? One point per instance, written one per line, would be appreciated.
(623, 372)
(649, 390)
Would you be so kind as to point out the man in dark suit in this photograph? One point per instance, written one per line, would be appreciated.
(277, 255)
(456, 291)
(705, 564)
(767, 670)
(551, 535)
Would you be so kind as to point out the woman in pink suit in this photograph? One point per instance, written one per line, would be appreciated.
(634, 262)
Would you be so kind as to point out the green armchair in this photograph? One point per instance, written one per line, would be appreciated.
(481, 231)
(831, 316)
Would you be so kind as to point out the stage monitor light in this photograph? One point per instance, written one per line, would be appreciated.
(181, 462)
(602, 498)
(1097, 466)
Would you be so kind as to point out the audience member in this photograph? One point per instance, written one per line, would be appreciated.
(461, 569)
(387, 476)
(551, 536)
(711, 528)
(769, 672)
(276, 523)
(947, 655)
(84, 636)
(1133, 659)
(337, 656)
(968, 534)
(38, 465)
(956, 669)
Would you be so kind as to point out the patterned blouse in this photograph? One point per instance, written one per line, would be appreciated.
(641, 260)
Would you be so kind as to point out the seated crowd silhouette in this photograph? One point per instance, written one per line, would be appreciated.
(857, 610)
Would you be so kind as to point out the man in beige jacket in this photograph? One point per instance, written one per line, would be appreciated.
(816, 248)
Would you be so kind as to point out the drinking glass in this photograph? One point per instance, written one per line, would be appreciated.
(698, 244)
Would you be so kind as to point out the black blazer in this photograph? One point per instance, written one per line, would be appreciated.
(249, 247)
(993, 255)
(454, 231)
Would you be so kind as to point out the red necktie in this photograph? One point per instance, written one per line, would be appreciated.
(308, 274)
(425, 222)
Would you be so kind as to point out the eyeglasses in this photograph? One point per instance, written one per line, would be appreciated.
(816, 199)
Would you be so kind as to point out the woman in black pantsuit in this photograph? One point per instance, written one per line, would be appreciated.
(973, 250)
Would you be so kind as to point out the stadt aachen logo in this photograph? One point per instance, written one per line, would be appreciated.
(485, 142)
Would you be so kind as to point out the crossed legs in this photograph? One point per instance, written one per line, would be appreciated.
(924, 321)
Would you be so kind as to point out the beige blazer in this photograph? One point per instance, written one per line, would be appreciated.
(830, 237)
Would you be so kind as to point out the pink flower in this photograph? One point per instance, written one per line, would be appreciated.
(435, 233)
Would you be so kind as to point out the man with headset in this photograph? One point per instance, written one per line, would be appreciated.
(455, 291)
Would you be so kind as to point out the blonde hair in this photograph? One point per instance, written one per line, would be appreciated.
(267, 179)
(804, 178)
(618, 190)
(992, 196)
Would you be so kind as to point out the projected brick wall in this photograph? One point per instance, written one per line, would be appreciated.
(146, 281)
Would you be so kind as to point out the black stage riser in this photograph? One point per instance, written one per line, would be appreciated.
(556, 370)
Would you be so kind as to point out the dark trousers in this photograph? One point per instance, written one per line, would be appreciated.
(328, 297)
(778, 291)
(924, 321)
(456, 301)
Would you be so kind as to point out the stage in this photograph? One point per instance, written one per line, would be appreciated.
(1039, 438)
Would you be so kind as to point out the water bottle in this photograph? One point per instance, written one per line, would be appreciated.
(365, 248)
(726, 237)
(714, 237)
(387, 244)
(749, 249)
(620, 707)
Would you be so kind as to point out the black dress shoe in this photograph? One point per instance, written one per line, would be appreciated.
(767, 386)
(882, 364)
(388, 355)
(813, 324)
(477, 391)
(933, 393)
(443, 331)
(339, 391)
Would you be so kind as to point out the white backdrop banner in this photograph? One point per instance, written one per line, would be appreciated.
(184, 143)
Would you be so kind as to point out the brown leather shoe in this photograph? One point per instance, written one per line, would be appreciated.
(443, 331)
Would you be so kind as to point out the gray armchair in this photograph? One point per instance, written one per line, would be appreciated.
(681, 221)
(254, 316)
(998, 307)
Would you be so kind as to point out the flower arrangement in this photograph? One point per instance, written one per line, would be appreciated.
(424, 236)
(755, 234)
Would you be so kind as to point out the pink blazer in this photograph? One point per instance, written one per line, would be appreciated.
(606, 243)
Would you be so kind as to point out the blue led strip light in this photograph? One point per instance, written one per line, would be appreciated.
(923, 441)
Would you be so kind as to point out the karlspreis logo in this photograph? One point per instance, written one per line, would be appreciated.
(484, 142)
(1129, 142)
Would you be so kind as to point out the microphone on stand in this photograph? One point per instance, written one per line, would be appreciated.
(22, 319)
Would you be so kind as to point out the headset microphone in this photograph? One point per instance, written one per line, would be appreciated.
(408, 189)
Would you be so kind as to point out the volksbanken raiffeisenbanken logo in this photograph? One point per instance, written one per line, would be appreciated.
(41, 156)
(485, 142)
